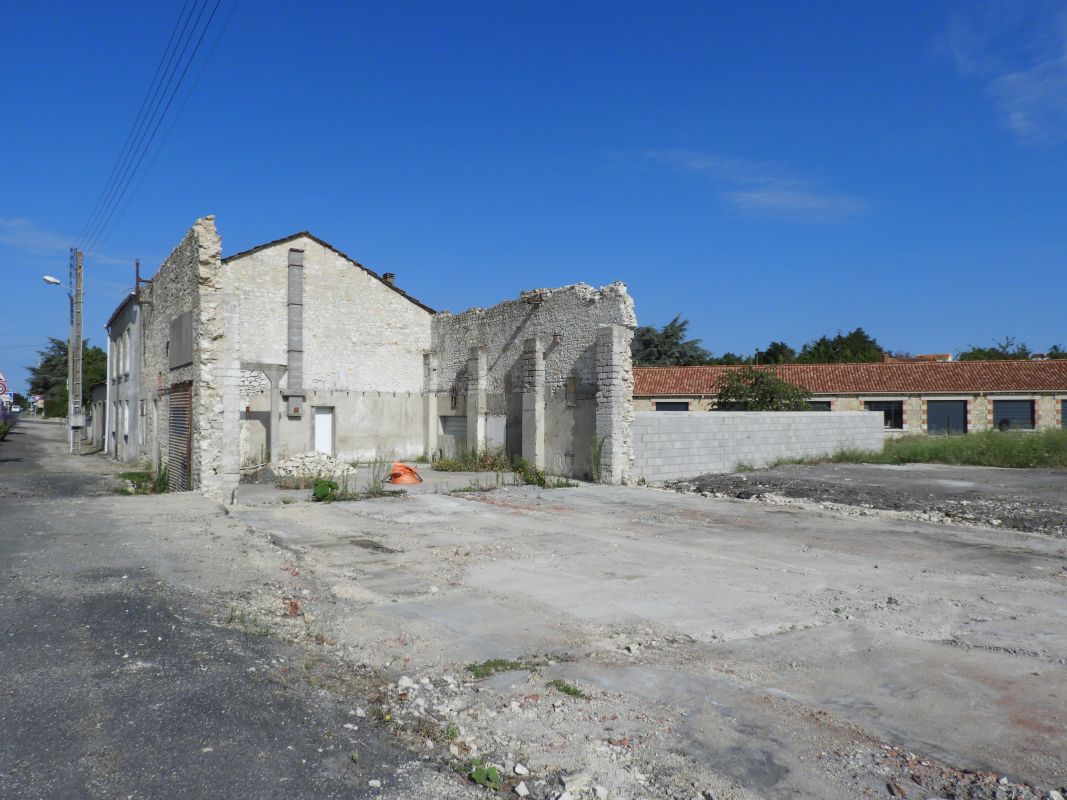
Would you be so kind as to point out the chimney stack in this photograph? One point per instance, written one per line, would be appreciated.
(389, 277)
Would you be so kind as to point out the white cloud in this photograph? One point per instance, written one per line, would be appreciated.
(1020, 54)
(764, 188)
(25, 235)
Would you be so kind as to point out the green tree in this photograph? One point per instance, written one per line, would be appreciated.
(1056, 352)
(667, 346)
(49, 377)
(857, 346)
(20, 400)
(754, 389)
(1004, 350)
(777, 353)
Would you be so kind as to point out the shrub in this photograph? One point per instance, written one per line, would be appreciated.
(324, 490)
(476, 461)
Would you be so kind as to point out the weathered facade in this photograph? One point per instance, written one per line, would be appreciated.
(547, 377)
(294, 346)
(124, 412)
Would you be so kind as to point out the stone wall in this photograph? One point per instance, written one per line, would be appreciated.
(674, 445)
(358, 334)
(540, 352)
(190, 280)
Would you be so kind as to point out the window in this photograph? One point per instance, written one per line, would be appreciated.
(1015, 415)
(892, 409)
(126, 352)
(819, 405)
(454, 426)
(1063, 414)
(672, 405)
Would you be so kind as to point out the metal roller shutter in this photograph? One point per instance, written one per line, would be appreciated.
(180, 437)
(946, 416)
(1013, 414)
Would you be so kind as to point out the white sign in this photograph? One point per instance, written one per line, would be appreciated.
(3, 382)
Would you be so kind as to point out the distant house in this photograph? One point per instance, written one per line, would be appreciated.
(915, 396)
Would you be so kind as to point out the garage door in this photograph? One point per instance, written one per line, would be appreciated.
(1013, 414)
(946, 416)
(180, 437)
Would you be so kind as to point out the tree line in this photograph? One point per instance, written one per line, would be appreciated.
(669, 346)
(49, 376)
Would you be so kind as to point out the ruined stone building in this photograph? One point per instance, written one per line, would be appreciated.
(294, 346)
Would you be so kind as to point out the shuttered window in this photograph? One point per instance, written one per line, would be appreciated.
(819, 405)
(1013, 415)
(454, 426)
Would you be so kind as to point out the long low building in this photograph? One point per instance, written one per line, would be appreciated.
(915, 397)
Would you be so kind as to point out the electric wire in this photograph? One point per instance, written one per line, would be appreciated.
(152, 121)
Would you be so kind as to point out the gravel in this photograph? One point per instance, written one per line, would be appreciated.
(861, 490)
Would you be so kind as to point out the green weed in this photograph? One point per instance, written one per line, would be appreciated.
(568, 689)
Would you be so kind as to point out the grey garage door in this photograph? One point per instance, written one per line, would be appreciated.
(1013, 414)
(946, 416)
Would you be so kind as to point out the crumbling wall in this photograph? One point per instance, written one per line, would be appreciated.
(543, 344)
(190, 282)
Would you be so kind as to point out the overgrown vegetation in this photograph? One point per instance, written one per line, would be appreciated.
(327, 490)
(984, 449)
(248, 624)
(143, 482)
(596, 458)
(486, 669)
(497, 460)
(568, 689)
(5, 429)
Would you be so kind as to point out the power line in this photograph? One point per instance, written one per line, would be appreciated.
(149, 92)
(168, 88)
(173, 123)
(150, 122)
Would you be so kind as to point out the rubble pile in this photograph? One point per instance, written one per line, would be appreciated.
(312, 465)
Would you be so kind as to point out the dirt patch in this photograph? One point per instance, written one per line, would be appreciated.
(983, 504)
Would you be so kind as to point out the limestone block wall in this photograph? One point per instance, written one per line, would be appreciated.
(358, 333)
(191, 280)
(683, 444)
(562, 325)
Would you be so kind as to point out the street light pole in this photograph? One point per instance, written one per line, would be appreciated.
(76, 418)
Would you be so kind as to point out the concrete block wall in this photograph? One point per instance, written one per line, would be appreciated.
(675, 445)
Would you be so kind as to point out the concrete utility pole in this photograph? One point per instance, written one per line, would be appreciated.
(75, 417)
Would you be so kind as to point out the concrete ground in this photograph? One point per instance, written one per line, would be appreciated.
(124, 671)
(780, 651)
(646, 643)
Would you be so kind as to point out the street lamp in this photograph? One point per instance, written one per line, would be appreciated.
(75, 417)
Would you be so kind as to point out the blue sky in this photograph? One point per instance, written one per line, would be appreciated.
(768, 170)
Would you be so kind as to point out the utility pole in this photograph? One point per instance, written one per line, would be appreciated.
(76, 417)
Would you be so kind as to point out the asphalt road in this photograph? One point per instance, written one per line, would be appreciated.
(118, 679)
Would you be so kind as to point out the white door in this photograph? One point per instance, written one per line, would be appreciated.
(324, 430)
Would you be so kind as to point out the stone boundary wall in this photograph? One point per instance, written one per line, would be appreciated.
(550, 371)
(670, 445)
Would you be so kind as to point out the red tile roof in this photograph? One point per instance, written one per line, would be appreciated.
(877, 378)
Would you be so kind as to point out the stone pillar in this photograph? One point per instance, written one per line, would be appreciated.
(429, 403)
(614, 403)
(533, 402)
(477, 407)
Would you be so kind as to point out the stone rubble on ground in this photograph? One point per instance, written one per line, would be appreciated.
(312, 465)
